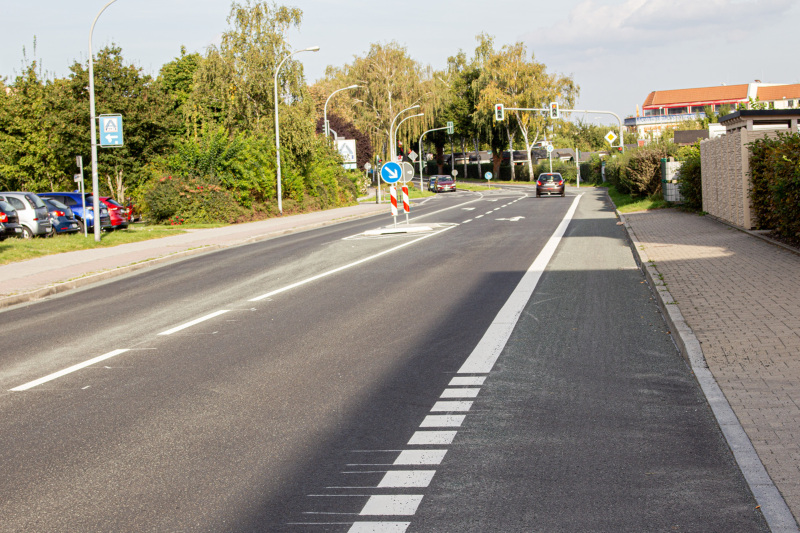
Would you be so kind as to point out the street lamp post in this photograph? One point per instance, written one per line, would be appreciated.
(325, 110)
(393, 148)
(401, 122)
(420, 152)
(277, 125)
(93, 129)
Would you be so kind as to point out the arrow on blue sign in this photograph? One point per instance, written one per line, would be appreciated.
(391, 172)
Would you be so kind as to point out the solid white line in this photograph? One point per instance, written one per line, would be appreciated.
(194, 322)
(485, 354)
(345, 267)
(69, 370)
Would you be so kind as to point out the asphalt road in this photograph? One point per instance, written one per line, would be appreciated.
(343, 403)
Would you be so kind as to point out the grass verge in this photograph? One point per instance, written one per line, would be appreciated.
(627, 204)
(13, 250)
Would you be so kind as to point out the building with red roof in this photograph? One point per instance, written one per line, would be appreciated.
(667, 109)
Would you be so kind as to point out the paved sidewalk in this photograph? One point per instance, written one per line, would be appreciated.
(40, 277)
(741, 297)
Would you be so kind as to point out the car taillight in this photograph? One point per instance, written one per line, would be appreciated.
(3, 217)
(539, 182)
(59, 213)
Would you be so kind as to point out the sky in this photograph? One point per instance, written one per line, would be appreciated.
(617, 51)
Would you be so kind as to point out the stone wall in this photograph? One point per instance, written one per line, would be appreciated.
(725, 168)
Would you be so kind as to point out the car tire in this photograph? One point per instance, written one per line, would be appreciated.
(26, 233)
(81, 226)
(52, 232)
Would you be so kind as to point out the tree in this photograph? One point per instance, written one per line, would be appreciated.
(147, 113)
(510, 78)
(234, 84)
(32, 152)
(177, 79)
(347, 130)
(390, 81)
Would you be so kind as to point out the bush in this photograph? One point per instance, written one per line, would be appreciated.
(190, 200)
(775, 171)
(689, 177)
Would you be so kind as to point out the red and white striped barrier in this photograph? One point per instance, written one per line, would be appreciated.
(393, 193)
(406, 206)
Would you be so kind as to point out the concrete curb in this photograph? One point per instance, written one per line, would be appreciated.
(773, 506)
(95, 277)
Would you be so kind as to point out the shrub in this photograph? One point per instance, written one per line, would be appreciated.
(190, 200)
(775, 194)
(689, 177)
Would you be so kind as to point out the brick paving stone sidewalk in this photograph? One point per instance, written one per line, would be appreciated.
(741, 296)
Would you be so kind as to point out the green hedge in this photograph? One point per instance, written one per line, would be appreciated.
(689, 177)
(775, 171)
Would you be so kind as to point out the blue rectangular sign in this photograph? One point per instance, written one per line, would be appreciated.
(110, 131)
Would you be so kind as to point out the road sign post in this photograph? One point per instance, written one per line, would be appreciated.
(393, 195)
(406, 204)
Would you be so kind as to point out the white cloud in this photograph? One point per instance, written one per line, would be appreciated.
(598, 26)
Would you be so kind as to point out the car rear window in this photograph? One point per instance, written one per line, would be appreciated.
(35, 201)
(113, 202)
(57, 204)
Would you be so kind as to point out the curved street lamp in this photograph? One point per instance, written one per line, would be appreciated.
(277, 125)
(393, 148)
(401, 122)
(325, 110)
(93, 129)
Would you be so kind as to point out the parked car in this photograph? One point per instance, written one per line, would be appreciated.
(550, 183)
(31, 211)
(9, 221)
(441, 184)
(73, 201)
(117, 212)
(62, 219)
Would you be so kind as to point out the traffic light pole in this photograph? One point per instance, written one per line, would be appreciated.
(548, 110)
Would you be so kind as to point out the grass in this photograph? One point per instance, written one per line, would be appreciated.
(13, 250)
(626, 204)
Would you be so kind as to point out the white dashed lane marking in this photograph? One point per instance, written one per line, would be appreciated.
(428, 438)
(421, 457)
(407, 479)
(443, 421)
(392, 505)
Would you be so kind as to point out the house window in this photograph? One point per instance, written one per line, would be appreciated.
(790, 103)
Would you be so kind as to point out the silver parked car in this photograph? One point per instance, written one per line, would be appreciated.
(32, 213)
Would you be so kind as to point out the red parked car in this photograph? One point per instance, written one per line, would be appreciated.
(117, 212)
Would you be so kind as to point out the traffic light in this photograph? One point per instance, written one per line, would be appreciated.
(499, 112)
(554, 113)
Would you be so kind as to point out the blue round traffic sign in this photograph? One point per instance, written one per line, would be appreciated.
(488, 175)
(391, 172)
